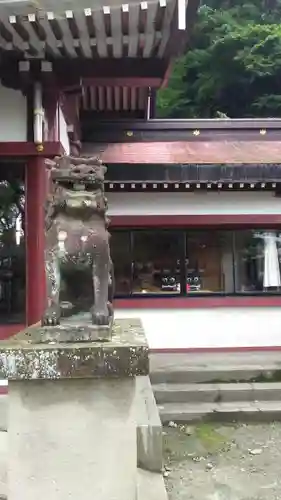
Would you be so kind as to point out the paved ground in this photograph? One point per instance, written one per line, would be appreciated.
(235, 462)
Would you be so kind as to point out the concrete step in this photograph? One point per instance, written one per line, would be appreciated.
(217, 393)
(260, 411)
(217, 374)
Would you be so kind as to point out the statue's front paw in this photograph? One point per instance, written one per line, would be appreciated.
(100, 318)
(51, 317)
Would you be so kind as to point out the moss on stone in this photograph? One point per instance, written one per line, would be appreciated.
(24, 356)
(209, 436)
(264, 376)
(194, 442)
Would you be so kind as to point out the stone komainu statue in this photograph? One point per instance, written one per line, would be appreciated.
(77, 236)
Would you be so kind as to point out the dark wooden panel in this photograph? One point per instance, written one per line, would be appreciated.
(178, 130)
(193, 173)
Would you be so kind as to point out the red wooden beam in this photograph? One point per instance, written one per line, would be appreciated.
(65, 69)
(198, 302)
(120, 72)
(136, 81)
(69, 69)
(36, 190)
(243, 220)
(131, 149)
(26, 149)
(69, 74)
(7, 331)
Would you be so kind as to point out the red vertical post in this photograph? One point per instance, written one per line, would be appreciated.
(35, 196)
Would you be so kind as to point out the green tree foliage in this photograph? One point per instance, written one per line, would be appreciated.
(233, 66)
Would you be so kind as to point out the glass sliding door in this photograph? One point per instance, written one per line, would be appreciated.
(189, 262)
(209, 262)
(257, 259)
(157, 257)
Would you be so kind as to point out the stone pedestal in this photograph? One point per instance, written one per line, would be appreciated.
(72, 424)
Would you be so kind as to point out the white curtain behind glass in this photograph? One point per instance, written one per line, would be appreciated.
(271, 276)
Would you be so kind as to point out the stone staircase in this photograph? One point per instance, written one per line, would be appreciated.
(189, 388)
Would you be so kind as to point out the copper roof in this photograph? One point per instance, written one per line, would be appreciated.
(188, 152)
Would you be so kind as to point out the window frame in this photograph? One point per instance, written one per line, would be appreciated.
(183, 231)
(135, 295)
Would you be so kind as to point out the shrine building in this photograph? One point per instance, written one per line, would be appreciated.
(194, 205)
(111, 55)
(195, 214)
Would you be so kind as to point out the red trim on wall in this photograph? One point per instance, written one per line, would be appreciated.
(50, 149)
(7, 331)
(254, 220)
(197, 302)
(214, 350)
(123, 81)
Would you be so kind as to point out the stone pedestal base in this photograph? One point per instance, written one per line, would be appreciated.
(71, 417)
(72, 439)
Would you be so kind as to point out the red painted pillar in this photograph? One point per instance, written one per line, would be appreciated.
(35, 195)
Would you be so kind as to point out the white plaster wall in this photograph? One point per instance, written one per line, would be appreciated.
(179, 203)
(208, 328)
(63, 135)
(13, 115)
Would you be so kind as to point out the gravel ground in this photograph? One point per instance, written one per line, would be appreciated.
(220, 462)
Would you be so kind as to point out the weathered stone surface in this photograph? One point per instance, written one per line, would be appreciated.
(30, 355)
(77, 243)
(75, 329)
(72, 440)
